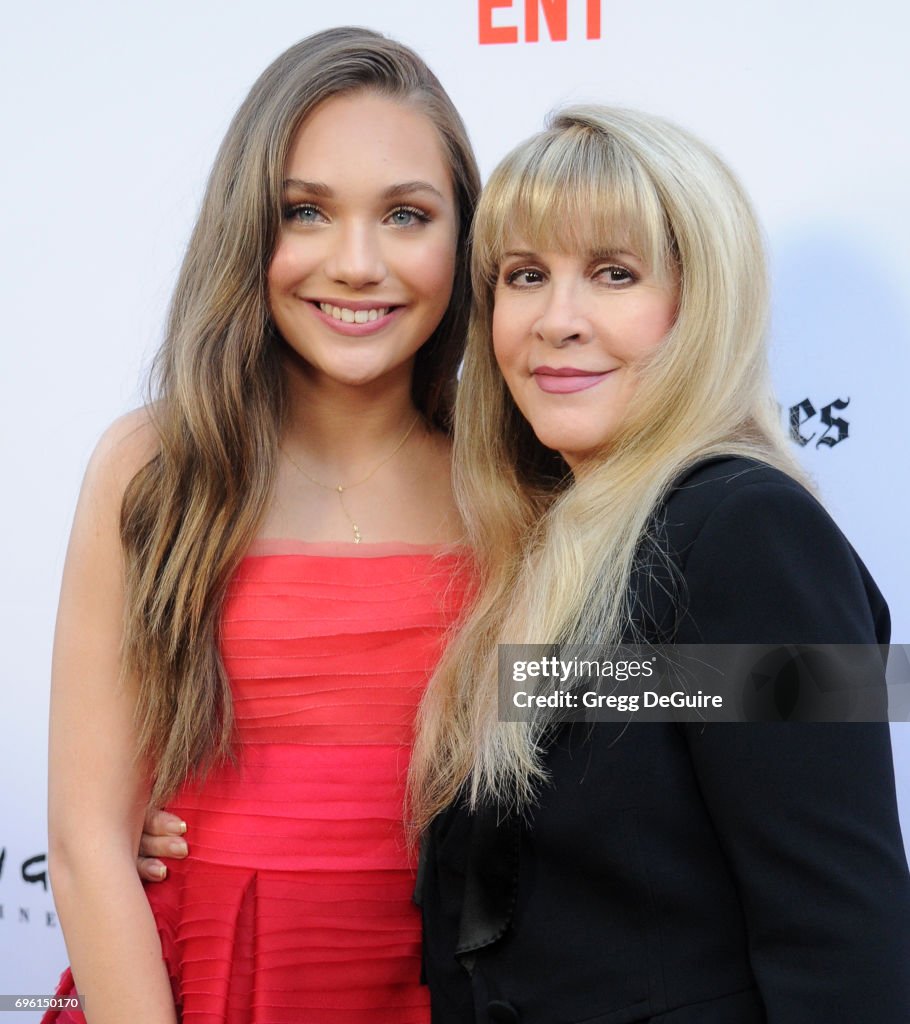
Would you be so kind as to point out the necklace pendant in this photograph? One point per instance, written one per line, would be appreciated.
(339, 489)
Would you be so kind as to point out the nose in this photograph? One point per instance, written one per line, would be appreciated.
(356, 257)
(562, 319)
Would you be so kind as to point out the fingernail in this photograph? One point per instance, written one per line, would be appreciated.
(178, 847)
(181, 827)
(160, 871)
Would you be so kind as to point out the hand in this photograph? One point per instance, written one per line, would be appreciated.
(161, 837)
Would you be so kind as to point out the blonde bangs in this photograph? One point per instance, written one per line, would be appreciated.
(570, 191)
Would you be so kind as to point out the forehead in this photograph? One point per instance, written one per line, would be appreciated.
(364, 141)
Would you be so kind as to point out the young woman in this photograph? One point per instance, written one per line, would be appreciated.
(623, 478)
(264, 563)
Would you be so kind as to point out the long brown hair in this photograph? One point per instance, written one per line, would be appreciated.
(218, 394)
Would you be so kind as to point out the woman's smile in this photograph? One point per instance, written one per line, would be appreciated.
(568, 379)
(570, 332)
(356, 319)
(367, 243)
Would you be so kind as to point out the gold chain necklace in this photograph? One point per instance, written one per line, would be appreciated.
(339, 489)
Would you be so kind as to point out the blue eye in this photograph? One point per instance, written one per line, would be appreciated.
(303, 213)
(407, 216)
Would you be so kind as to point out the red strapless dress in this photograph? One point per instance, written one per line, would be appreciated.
(295, 902)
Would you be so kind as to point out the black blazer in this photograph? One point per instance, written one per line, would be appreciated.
(683, 874)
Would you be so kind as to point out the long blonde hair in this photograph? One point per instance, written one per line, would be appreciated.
(218, 391)
(555, 554)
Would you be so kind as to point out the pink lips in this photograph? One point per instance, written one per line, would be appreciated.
(566, 379)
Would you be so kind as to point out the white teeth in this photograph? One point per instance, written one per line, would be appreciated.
(353, 316)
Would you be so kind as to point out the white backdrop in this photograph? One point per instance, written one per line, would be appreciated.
(112, 113)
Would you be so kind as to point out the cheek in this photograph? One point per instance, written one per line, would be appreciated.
(502, 349)
(665, 313)
(663, 322)
(433, 268)
(651, 326)
(282, 269)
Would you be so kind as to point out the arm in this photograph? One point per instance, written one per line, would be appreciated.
(806, 813)
(98, 791)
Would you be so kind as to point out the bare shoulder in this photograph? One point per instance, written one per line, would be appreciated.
(122, 450)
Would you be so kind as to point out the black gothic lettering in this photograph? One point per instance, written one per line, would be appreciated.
(834, 423)
(799, 414)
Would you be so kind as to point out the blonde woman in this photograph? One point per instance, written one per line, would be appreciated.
(623, 477)
(263, 565)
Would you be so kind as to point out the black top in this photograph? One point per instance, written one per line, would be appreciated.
(686, 874)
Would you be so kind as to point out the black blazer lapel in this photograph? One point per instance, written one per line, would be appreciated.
(491, 882)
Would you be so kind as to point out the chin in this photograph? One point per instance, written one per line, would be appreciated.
(355, 376)
(559, 441)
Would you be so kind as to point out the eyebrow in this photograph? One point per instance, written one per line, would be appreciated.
(598, 254)
(313, 188)
(323, 191)
(409, 187)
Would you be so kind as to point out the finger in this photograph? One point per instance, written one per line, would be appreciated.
(151, 870)
(162, 846)
(163, 823)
